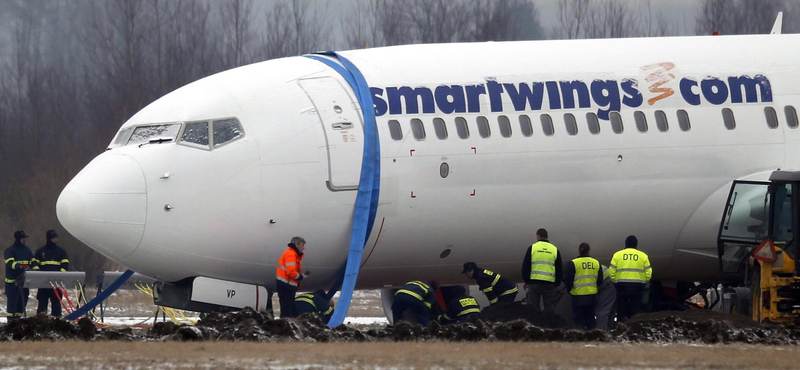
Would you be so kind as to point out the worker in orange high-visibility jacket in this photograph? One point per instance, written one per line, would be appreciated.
(288, 275)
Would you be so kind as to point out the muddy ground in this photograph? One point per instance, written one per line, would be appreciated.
(392, 355)
(498, 323)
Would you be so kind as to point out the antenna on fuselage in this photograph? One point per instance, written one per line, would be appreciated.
(776, 28)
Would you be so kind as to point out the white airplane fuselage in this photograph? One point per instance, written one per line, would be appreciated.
(175, 211)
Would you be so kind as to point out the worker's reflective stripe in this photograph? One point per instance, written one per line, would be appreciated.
(612, 265)
(37, 267)
(48, 263)
(306, 300)
(469, 311)
(9, 260)
(631, 270)
(329, 311)
(543, 261)
(11, 281)
(286, 281)
(291, 264)
(17, 313)
(631, 281)
(62, 270)
(34, 260)
(406, 291)
(630, 265)
(489, 289)
(65, 261)
(496, 278)
(9, 314)
(446, 317)
(585, 281)
(14, 265)
(510, 291)
(493, 301)
(422, 285)
(428, 304)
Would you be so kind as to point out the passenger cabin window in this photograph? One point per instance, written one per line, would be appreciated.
(417, 129)
(440, 128)
(772, 117)
(791, 116)
(525, 126)
(505, 126)
(145, 134)
(226, 130)
(661, 121)
(571, 124)
(593, 123)
(483, 127)
(641, 121)
(683, 120)
(196, 133)
(461, 128)
(727, 118)
(616, 123)
(547, 125)
(395, 131)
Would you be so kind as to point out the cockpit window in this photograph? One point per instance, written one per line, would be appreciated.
(226, 130)
(196, 133)
(121, 139)
(145, 134)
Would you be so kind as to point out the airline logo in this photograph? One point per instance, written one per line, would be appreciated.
(606, 95)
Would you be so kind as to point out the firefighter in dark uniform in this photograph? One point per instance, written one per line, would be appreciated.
(460, 306)
(51, 257)
(18, 258)
(495, 287)
(314, 303)
(417, 297)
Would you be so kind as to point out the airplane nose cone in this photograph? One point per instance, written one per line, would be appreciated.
(105, 205)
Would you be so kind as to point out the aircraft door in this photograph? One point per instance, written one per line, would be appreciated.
(342, 124)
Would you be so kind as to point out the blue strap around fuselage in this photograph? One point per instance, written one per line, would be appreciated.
(366, 206)
(102, 296)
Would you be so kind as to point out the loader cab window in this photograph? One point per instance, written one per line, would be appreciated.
(745, 224)
(782, 217)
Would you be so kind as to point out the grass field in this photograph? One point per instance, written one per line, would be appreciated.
(436, 355)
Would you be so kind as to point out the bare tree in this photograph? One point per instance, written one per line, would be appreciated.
(572, 16)
(735, 17)
(293, 27)
(236, 26)
(504, 20)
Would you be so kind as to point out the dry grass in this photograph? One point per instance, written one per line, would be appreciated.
(227, 355)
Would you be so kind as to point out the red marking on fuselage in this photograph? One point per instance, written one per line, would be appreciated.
(659, 77)
(473, 193)
(474, 149)
(412, 195)
(411, 152)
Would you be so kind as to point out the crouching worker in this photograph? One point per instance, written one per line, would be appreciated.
(460, 306)
(495, 287)
(418, 298)
(582, 277)
(316, 302)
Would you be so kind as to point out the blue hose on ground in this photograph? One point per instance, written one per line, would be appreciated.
(366, 206)
(100, 296)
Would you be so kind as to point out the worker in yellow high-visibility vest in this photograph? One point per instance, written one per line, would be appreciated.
(541, 270)
(630, 271)
(582, 278)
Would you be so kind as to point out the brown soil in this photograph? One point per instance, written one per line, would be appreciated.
(417, 355)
